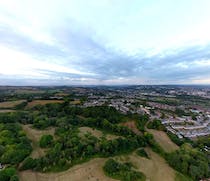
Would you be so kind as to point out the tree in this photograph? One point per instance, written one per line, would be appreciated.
(46, 141)
(8, 174)
(28, 163)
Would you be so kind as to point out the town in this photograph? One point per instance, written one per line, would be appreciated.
(194, 120)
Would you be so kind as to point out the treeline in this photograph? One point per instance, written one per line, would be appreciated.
(141, 121)
(14, 117)
(61, 110)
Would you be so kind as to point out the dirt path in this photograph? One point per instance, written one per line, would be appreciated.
(34, 135)
(89, 171)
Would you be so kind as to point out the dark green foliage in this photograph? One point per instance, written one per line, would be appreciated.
(141, 152)
(28, 163)
(8, 174)
(190, 161)
(15, 146)
(141, 122)
(104, 125)
(156, 124)
(202, 142)
(46, 141)
(153, 144)
(21, 105)
(175, 139)
(103, 112)
(42, 122)
(122, 171)
(14, 117)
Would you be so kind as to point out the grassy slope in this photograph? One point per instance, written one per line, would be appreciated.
(34, 135)
(91, 171)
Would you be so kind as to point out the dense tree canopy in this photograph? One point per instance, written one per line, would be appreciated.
(190, 161)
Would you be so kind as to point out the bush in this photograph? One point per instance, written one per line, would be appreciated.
(8, 174)
(141, 152)
(156, 124)
(122, 171)
(28, 163)
(46, 141)
(141, 122)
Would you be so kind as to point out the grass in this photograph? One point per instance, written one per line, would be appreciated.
(34, 135)
(97, 133)
(155, 168)
(181, 177)
(132, 125)
(91, 170)
(163, 140)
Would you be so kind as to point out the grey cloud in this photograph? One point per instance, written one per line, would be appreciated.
(11, 38)
(76, 47)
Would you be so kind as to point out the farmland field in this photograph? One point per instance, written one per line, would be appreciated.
(10, 104)
(42, 102)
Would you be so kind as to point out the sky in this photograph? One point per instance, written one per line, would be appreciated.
(104, 42)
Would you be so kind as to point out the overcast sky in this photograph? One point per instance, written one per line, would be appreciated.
(68, 42)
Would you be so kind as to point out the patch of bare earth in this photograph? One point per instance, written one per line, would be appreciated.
(163, 140)
(10, 104)
(155, 168)
(89, 171)
(42, 102)
(132, 126)
(34, 135)
(96, 133)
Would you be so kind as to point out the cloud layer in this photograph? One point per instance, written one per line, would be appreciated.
(75, 42)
